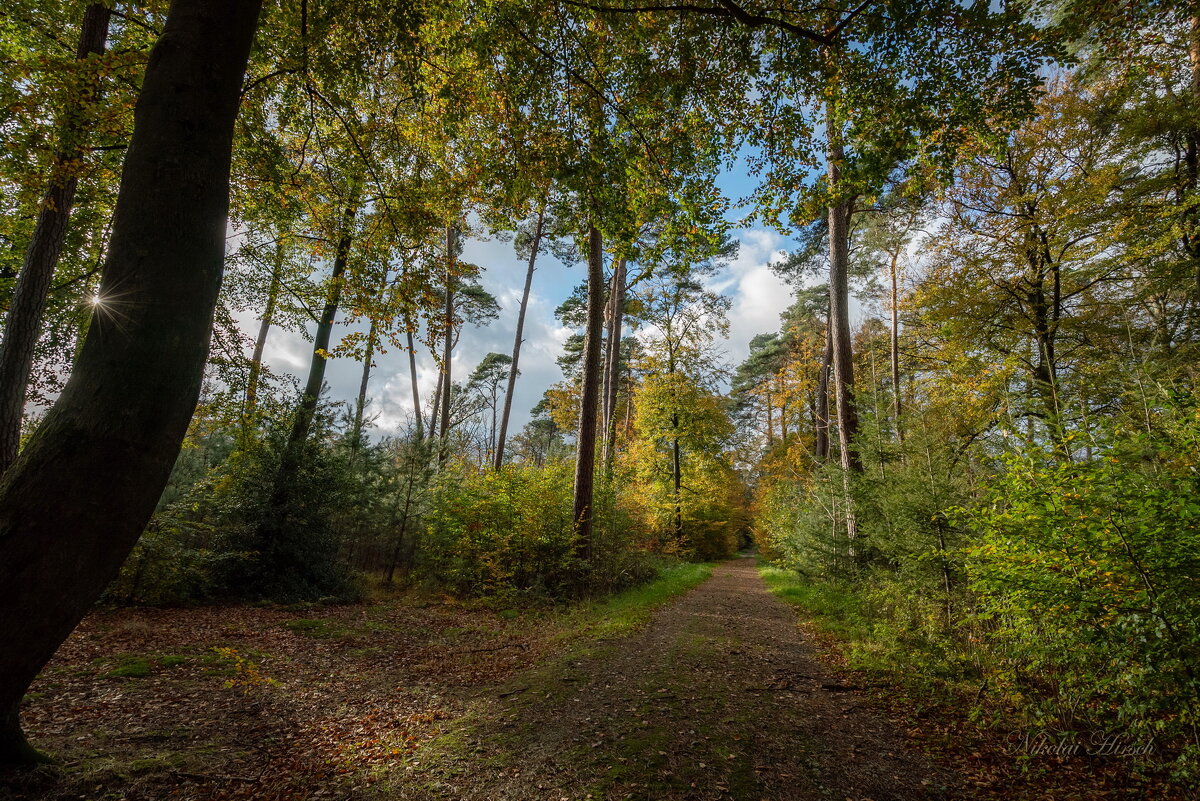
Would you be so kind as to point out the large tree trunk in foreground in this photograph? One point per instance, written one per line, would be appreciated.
(516, 354)
(585, 457)
(839, 335)
(73, 504)
(612, 367)
(24, 321)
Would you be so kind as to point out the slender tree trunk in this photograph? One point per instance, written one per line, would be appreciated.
(677, 477)
(448, 388)
(24, 321)
(74, 502)
(316, 368)
(435, 408)
(585, 457)
(264, 330)
(412, 372)
(897, 400)
(770, 417)
(516, 354)
(612, 369)
(274, 526)
(822, 401)
(368, 364)
(368, 358)
(1191, 237)
(783, 428)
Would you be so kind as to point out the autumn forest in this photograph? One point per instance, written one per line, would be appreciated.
(599, 399)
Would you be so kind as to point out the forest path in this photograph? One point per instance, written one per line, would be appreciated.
(718, 697)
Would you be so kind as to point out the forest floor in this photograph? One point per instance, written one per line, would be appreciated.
(718, 694)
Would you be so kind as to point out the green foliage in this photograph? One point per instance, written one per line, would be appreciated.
(510, 533)
(1085, 572)
(206, 544)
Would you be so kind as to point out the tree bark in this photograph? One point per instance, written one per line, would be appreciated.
(821, 448)
(274, 527)
(75, 501)
(839, 330)
(436, 407)
(368, 357)
(585, 457)
(264, 330)
(449, 343)
(677, 477)
(612, 369)
(516, 354)
(416, 392)
(316, 368)
(839, 326)
(770, 416)
(24, 321)
(897, 399)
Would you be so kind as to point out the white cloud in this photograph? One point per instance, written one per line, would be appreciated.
(758, 297)
(757, 294)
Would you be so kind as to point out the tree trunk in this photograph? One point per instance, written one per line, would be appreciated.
(839, 329)
(74, 502)
(585, 457)
(1191, 237)
(24, 321)
(897, 400)
(412, 372)
(449, 344)
(677, 478)
(770, 417)
(612, 369)
(516, 354)
(368, 357)
(274, 525)
(316, 368)
(821, 448)
(264, 330)
(783, 429)
(435, 408)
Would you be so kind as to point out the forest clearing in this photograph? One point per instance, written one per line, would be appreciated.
(599, 399)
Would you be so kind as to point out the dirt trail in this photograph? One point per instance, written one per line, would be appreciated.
(718, 697)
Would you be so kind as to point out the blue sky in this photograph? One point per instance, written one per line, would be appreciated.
(756, 294)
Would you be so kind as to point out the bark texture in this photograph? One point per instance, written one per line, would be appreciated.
(448, 345)
(74, 503)
(839, 330)
(612, 367)
(585, 457)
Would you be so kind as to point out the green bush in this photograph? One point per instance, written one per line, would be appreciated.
(511, 533)
(1086, 572)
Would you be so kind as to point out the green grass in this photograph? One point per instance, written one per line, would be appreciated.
(837, 609)
(139, 666)
(626, 611)
(130, 666)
